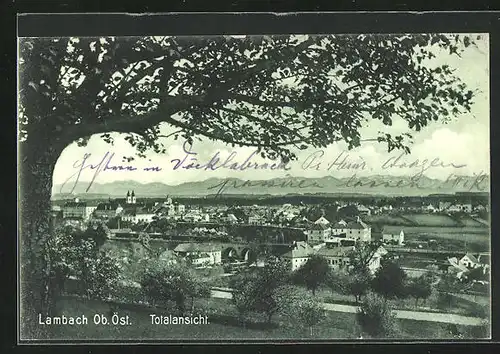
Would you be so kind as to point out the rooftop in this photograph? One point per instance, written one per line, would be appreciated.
(334, 252)
(300, 250)
(196, 247)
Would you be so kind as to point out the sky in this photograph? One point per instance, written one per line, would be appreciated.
(463, 142)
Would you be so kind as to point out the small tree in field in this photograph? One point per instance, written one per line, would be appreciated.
(300, 308)
(376, 317)
(173, 282)
(313, 273)
(419, 288)
(310, 313)
(390, 281)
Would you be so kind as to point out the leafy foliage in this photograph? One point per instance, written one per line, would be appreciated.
(304, 308)
(76, 253)
(375, 317)
(164, 282)
(261, 290)
(390, 281)
(313, 273)
(269, 92)
(420, 288)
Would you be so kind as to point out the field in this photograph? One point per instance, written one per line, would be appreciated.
(430, 220)
(417, 220)
(336, 326)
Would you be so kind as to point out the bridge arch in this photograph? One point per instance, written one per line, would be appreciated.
(229, 253)
(249, 255)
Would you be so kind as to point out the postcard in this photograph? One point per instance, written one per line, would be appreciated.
(289, 187)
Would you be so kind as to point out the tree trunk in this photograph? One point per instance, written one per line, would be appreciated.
(36, 166)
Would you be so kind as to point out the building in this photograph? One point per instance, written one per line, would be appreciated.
(340, 257)
(199, 253)
(469, 261)
(138, 214)
(256, 220)
(108, 210)
(340, 241)
(374, 262)
(131, 199)
(322, 220)
(364, 210)
(393, 237)
(298, 255)
(196, 216)
(337, 257)
(75, 209)
(357, 230)
(179, 208)
(430, 208)
(318, 233)
(231, 219)
(455, 208)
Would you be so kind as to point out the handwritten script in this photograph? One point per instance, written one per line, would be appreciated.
(356, 166)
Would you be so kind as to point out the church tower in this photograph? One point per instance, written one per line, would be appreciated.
(134, 200)
(129, 199)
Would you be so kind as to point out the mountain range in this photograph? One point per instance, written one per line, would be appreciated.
(373, 185)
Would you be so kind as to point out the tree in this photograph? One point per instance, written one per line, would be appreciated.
(338, 282)
(420, 288)
(244, 300)
(268, 300)
(173, 282)
(306, 309)
(313, 273)
(75, 253)
(75, 88)
(375, 317)
(361, 256)
(359, 284)
(390, 281)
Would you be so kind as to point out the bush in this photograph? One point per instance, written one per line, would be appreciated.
(376, 318)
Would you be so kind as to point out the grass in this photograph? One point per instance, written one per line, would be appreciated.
(431, 220)
(336, 325)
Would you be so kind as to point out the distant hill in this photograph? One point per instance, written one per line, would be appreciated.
(374, 185)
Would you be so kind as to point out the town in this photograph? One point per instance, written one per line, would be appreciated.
(439, 236)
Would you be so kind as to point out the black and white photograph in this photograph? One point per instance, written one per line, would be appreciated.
(289, 187)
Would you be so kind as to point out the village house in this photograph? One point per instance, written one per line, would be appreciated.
(363, 210)
(196, 216)
(430, 208)
(393, 237)
(138, 214)
(75, 209)
(336, 257)
(298, 255)
(256, 220)
(179, 208)
(231, 219)
(339, 257)
(318, 233)
(469, 261)
(455, 208)
(340, 241)
(107, 210)
(357, 230)
(322, 220)
(199, 253)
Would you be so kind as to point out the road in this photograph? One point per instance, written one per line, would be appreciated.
(402, 314)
